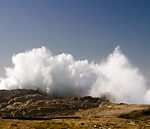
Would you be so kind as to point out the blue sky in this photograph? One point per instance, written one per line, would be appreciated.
(88, 29)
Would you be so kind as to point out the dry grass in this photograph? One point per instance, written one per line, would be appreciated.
(99, 123)
(106, 116)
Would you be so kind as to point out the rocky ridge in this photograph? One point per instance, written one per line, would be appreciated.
(32, 103)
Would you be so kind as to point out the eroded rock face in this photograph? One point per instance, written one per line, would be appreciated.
(32, 103)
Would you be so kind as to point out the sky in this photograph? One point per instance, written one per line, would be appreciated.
(88, 29)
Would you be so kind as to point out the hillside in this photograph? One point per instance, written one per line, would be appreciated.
(32, 103)
(18, 107)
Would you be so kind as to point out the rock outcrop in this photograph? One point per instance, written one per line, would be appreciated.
(32, 103)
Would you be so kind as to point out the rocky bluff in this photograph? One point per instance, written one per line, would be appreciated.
(32, 103)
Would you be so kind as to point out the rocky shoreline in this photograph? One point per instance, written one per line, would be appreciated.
(32, 103)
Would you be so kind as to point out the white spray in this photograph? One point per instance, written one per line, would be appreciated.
(62, 75)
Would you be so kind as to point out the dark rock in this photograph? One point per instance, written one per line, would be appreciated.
(32, 103)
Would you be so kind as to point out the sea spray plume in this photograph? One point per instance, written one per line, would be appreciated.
(29, 71)
(58, 75)
(121, 81)
(62, 75)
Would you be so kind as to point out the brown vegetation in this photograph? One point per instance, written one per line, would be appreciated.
(30, 109)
